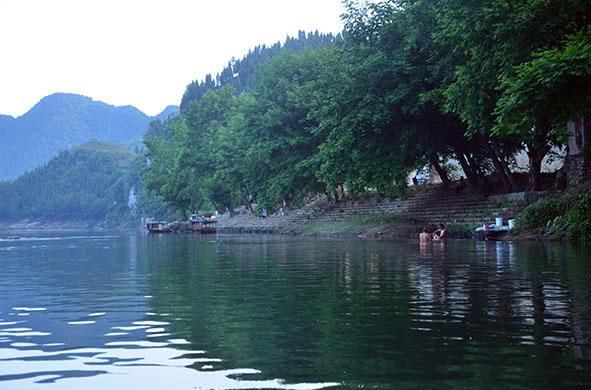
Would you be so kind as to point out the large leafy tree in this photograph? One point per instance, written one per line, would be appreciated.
(542, 94)
(383, 116)
(164, 143)
(196, 165)
(280, 159)
(365, 146)
(487, 40)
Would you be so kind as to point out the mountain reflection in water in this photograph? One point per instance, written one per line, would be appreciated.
(229, 312)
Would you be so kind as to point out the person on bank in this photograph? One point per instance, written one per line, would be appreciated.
(440, 234)
(424, 236)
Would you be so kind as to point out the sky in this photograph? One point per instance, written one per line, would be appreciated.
(137, 52)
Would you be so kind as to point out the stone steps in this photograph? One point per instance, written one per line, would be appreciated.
(431, 219)
(422, 208)
(481, 211)
(417, 210)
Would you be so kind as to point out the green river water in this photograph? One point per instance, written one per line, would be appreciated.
(132, 311)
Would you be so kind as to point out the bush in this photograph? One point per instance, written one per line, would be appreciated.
(537, 215)
(578, 216)
(567, 216)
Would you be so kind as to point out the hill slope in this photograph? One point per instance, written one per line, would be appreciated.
(61, 121)
(86, 183)
(241, 74)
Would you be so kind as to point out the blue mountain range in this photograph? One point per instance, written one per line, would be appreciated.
(61, 121)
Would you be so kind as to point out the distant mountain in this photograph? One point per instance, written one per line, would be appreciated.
(88, 183)
(6, 120)
(61, 121)
(167, 113)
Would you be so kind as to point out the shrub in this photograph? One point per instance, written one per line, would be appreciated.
(567, 216)
(578, 216)
(539, 214)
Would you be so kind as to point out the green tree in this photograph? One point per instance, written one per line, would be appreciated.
(196, 164)
(160, 175)
(542, 94)
(486, 40)
(280, 156)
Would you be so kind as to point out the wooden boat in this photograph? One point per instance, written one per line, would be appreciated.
(158, 227)
(204, 225)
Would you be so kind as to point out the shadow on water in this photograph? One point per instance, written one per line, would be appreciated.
(465, 314)
(364, 314)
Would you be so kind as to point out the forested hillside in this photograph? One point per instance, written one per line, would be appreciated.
(413, 83)
(61, 121)
(241, 74)
(90, 183)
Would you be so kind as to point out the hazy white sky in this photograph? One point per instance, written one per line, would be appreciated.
(138, 52)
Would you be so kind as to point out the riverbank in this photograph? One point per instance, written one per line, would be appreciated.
(386, 218)
(372, 217)
(359, 227)
(362, 228)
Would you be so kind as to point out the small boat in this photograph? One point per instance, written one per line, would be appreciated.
(158, 227)
(491, 232)
(13, 238)
(204, 225)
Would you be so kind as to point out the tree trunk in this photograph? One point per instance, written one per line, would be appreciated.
(470, 175)
(479, 174)
(501, 167)
(441, 172)
(537, 148)
(535, 167)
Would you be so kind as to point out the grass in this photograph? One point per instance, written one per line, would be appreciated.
(360, 224)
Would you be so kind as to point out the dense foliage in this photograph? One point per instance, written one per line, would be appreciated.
(567, 216)
(88, 183)
(413, 83)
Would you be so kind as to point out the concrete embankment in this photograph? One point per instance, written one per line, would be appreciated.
(378, 217)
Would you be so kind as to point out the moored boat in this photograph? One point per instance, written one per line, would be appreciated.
(206, 224)
(491, 232)
(158, 227)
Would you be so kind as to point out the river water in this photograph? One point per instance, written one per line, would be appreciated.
(131, 311)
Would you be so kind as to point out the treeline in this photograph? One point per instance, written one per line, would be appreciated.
(414, 83)
(241, 74)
